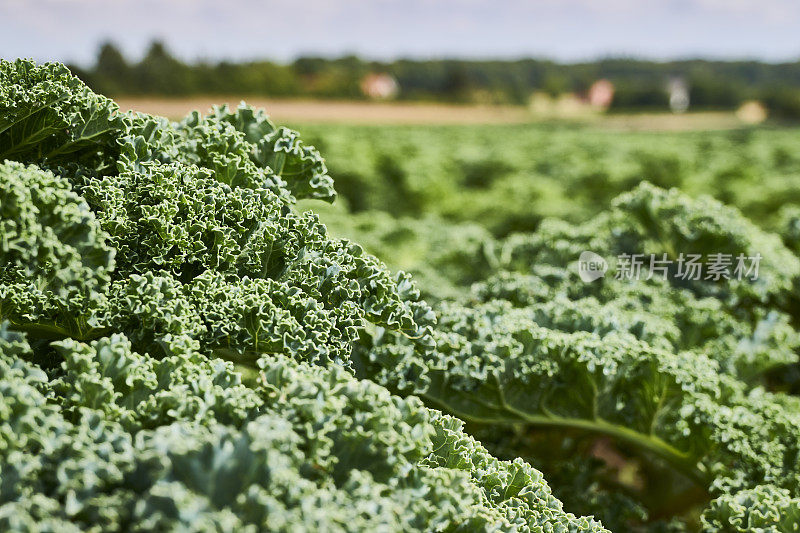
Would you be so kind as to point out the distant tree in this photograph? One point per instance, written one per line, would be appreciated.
(112, 67)
(555, 83)
(640, 95)
(309, 66)
(711, 92)
(339, 78)
(456, 83)
(639, 85)
(782, 102)
(161, 73)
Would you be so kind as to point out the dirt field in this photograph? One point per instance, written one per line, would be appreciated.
(339, 111)
(422, 113)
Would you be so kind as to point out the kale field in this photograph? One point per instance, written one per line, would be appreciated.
(509, 178)
(211, 325)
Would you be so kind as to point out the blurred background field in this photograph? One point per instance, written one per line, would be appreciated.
(508, 177)
(397, 182)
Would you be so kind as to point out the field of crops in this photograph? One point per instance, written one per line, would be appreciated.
(494, 218)
(490, 328)
(509, 177)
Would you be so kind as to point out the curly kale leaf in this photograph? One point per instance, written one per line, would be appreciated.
(669, 375)
(238, 271)
(245, 149)
(49, 116)
(131, 443)
(280, 149)
(55, 262)
(763, 508)
(496, 366)
(654, 220)
(746, 325)
(652, 311)
(203, 228)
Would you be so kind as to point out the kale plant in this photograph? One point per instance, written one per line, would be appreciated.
(175, 339)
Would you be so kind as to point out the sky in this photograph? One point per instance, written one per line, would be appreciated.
(564, 30)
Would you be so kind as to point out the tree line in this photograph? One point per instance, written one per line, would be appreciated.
(639, 84)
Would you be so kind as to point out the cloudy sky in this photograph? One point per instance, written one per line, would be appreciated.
(568, 30)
